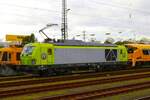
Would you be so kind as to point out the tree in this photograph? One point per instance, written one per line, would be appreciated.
(32, 38)
(29, 39)
(109, 41)
(123, 42)
(144, 40)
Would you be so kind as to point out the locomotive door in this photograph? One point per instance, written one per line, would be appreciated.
(121, 55)
(49, 60)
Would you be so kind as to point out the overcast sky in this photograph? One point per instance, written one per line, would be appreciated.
(131, 17)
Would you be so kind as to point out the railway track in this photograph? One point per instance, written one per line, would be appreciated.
(66, 83)
(15, 78)
(28, 80)
(102, 92)
(144, 98)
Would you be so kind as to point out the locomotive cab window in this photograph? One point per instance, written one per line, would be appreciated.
(28, 50)
(131, 50)
(49, 51)
(146, 52)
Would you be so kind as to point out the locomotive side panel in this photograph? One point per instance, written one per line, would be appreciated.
(78, 55)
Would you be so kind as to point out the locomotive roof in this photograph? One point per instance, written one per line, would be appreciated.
(80, 43)
(139, 45)
(10, 49)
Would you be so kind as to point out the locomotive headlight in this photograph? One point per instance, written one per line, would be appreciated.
(33, 61)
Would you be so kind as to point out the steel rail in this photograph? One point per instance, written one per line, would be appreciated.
(54, 87)
(144, 98)
(42, 80)
(101, 93)
(15, 78)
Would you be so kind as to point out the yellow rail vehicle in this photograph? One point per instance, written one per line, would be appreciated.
(138, 54)
(10, 55)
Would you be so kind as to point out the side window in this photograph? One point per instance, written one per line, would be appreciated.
(6, 56)
(49, 51)
(9, 58)
(18, 56)
(146, 52)
(0, 53)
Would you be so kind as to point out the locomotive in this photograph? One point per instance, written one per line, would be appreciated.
(71, 55)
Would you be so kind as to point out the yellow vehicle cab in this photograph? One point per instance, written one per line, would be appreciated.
(10, 55)
(138, 53)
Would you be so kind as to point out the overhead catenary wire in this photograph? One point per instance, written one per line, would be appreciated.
(127, 8)
(31, 8)
(56, 13)
(115, 5)
(18, 13)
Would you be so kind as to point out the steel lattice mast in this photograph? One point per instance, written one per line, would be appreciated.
(64, 26)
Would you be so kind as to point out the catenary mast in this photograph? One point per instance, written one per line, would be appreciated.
(64, 26)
